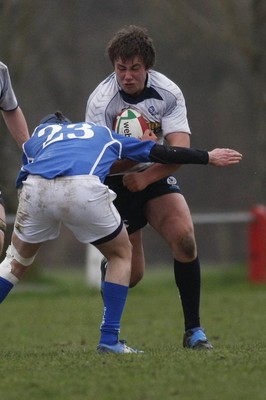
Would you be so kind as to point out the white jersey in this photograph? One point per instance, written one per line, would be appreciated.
(8, 101)
(161, 102)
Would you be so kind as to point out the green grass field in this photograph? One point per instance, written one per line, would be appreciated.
(49, 334)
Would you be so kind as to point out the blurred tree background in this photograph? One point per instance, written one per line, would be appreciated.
(214, 50)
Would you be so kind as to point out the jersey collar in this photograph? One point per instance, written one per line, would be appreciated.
(147, 93)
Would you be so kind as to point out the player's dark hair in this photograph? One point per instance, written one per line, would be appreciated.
(57, 118)
(132, 41)
(59, 115)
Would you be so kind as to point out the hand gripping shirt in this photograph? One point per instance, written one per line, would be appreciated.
(8, 101)
(161, 102)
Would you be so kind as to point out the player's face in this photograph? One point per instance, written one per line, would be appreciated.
(131, 75)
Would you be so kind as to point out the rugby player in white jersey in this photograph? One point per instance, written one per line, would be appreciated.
(150, 194)
(61, 181)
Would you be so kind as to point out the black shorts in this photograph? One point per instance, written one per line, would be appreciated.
(131, 205)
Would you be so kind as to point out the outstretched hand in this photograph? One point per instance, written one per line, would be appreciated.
(224, 157)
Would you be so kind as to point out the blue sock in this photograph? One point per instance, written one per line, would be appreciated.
(114, 297)
(5, 287)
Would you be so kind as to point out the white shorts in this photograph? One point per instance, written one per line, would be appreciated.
(82, 203)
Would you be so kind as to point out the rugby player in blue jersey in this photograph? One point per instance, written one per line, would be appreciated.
(61, 181)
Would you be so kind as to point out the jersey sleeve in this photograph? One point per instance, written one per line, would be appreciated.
(175, 117)
(135, 149)
(8, 101)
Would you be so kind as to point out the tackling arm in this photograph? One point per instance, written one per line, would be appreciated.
(179, 155)
(217, 157)
(182, 155)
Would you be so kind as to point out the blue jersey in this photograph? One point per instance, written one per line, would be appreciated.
(77, 149)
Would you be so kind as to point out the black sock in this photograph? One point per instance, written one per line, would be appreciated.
(187, 277)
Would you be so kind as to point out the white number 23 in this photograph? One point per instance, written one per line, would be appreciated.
(83, 131)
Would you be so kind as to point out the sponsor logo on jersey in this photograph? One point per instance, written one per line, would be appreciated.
(152, 111)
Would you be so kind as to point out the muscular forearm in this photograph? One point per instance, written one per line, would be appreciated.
(165, 154)
(121, 166)
(158, 171)
(17, 125)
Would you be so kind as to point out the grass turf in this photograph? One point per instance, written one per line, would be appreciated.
(49, 334)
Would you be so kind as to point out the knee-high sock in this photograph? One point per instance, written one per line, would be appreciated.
(187, 277)
(114, 297)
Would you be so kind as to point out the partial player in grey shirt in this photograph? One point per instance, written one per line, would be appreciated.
(12, 113)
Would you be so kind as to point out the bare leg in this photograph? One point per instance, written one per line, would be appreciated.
(174, 223)
(118, 254)
(115, 290)
(138, 259)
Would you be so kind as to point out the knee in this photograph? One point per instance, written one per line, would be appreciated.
(135, 278)
(186, 246)
(123, 251)
(138, 264)
(14, 265)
